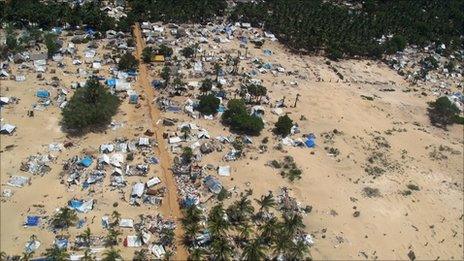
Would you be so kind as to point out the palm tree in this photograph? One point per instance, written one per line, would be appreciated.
(254, 250)
(217, 224)
(86, 236)
(168, 255)
(217, 69)
(56, 254)
(116, 217)
(141, 255)
(245, 231)
(64, 218)
(186, 131)
(268, 231)
(112, 255)
(112, 237)
(297, 251)
(26, 256)
(197, 254)
(292, 223)
(266, 201)
(88, 256)
(221, 249)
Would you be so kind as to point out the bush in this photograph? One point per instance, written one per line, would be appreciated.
(187, 154)
(128, 62)
(442, 112)
(206, 85)
(52, 45)
(395, 44)
(283, 126)
(188, 51)
(208, 104)
(90, 106)
(165, 50)
(237, 117)
(147, 53)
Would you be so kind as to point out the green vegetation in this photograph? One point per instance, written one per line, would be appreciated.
(180, 11)
(147, 53)
(51, 43)
(128, 62)
(312, 26)
(187, 154)
(257, 91)
(56, 254)
(64, 218)
(164, 50)
(283, 126)
(208, 105)
(443, 112)
(241, 232)
(206, 85)
(189, 51)
(23, 13)
(90, 106)
(239, 120)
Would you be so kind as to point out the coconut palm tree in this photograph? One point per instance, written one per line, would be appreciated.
(116, 216)
(88, 256)
(111, 238)
(141, 255)
(64, 218)
(297, 251)
(221, 248)
(217, 69)
(254, 250)
(266, 202)
(197, 254)
(26, 256)
(86, 236)
(268, 230)
(56, 254)
(168, 255)
(112, 255)
(217, 223)
(292, 223)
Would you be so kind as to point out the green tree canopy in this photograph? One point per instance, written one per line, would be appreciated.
(128, 62)
(90, 106)
(283, 126)
(442, 112)
(208, 104)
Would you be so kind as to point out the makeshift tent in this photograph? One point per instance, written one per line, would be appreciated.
(86, 161)
(224, 171)
(126, 222)
(18, 181)
(132, 241)
(137, 190)
(213, 184)
(310, 143)
(32, 221)
(152, 182)
(158, 251)
(7, 129)
(43, 94)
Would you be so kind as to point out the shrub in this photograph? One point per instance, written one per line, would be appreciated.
(442, 112)
(395, 44)
(206, 85)
(147, 53)
(128, 62)
(188, 51)
(283, 126)
(208, 104)
(90, 106)
(165, 50)
(257, 91)
(52, 45)
(187, 154)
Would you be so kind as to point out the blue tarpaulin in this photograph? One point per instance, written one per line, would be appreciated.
(86, 161)
(61, 243)
(32, 221)
(156, 84)
(43, 94)
(310, 143)
(111, 82)
(133, 98)
(74, 203)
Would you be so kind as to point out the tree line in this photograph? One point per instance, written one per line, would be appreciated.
(312, 26)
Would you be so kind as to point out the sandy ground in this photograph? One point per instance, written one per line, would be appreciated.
(428, 222)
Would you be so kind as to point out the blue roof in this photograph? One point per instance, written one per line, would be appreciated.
(43, 94)
(310, 143)
(86, 161)
(32, 221)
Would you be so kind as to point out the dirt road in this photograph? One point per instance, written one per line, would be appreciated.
(171, 200)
